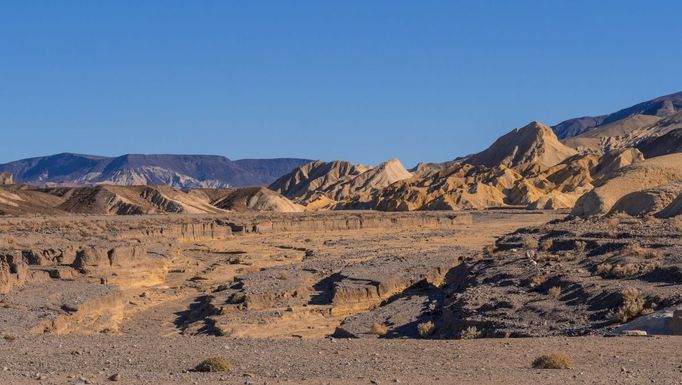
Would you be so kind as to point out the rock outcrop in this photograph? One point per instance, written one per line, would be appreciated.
(255, 198)
(526, 167)
(326, 184)
(6, 178)
(529, 149)
(640, 176)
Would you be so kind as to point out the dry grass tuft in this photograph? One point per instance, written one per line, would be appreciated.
(470, 333)
(612, 224)
(546, 244)
(530, 244)
(677, 223)
(554, 292)
(632, 305)
(215, 364)
(639, 251)
(554, 361)
(488, 251)
(626, 270)
(379, 329)
(426, 329)
(537, 280)
(580, 247)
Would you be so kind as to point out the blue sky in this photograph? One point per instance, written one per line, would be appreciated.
(356, 80)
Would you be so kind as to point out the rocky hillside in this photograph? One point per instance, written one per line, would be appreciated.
(661, 107)
(526, 167)
(324, 184)
(528, 149)
(182, 171)
(137, 200)
(650, 186)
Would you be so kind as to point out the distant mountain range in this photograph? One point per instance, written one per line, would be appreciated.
(663, 106)
(653, 126)
(182, 171)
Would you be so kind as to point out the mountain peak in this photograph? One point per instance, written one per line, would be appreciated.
(531, 147)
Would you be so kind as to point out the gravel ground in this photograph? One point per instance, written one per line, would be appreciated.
(169, 360)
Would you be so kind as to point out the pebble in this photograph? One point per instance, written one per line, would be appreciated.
(115, 377)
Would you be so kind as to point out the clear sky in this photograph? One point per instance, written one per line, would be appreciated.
(356, 80)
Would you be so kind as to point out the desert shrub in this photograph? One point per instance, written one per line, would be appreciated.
(677, 223)
(537, 280)
(554, 292)
(530, 244)
(488, 251)
(612, 224)
(639, 251)
(214, 364)
(426, 329)
(604, 268)
(9, 337)
(550, 258)
(626, 270)
(580, 247)
(632, 305)
(470, 333)
(378, 329)
(554, 361)
(546, 244)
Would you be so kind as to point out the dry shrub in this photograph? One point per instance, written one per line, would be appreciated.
(554, 292)
(612, 224)
(677, 223)
(626, 270)
(425, 329)
(632, 305)
(639, 251)
(379, 329)
(530, 244)
(580, 247)
(9, 338)
(470, 333)
(537, 280)
(604, 269)
(488, 251)
(550, 258)
(215, 364)
(546, 244)
(554, 361)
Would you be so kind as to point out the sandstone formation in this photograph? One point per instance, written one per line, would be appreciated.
(137, 200)
(6, 178)
(647, 174)
(528, 167)
(255, 198)
(667, 143)
(529, 149)
(322, 185)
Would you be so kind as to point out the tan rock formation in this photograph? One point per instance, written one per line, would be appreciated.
(532, 148)
(6, 178)
(639, 176)
(321, 185)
